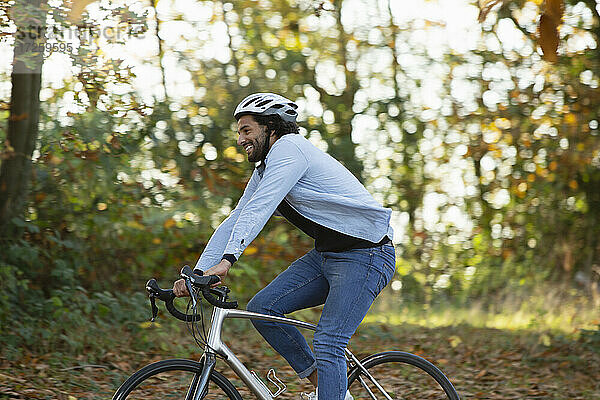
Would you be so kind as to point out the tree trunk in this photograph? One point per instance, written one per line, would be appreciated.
(340, 143)
(15, 170)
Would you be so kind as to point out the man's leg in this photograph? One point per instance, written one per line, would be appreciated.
(300, 286)
(355, 278)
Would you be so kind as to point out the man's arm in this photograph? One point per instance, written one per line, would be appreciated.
(214, 250)
(284, 167)
(260, 199)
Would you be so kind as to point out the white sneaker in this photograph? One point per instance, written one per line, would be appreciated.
(314, 396)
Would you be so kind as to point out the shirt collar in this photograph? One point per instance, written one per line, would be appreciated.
(261, 167)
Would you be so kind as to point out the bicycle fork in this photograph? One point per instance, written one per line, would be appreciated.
(199, 386)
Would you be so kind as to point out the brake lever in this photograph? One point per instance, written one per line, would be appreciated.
(154, 308)
(188, 284)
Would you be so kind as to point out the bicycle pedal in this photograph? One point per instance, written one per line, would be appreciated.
(272, 377)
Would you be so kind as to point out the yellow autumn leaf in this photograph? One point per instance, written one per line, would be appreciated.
(230, 152)
(545, 340)
(77, 8)
(251, 250)
(571, 119)
(169, 223)
(135, 225)
(454, 341)
(148, 324)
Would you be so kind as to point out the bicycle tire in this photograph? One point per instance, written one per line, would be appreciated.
(174, 378)
(403, 376)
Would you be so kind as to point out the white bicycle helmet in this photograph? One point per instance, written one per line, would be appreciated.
(267, 104)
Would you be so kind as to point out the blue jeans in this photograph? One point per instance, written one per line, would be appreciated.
(346, 283)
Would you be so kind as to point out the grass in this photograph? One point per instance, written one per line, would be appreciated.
(554, 310)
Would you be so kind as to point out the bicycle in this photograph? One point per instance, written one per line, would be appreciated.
(386, 375)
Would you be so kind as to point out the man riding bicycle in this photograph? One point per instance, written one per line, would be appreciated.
(353, 258)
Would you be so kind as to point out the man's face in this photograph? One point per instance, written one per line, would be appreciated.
(251, 137)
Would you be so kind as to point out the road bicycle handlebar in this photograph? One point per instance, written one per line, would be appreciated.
(202, 282)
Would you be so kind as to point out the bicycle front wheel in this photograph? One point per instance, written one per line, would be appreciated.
(402, 376)
(171, 379)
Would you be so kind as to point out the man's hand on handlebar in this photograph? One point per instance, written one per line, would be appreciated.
(179, 288)
(221, 269)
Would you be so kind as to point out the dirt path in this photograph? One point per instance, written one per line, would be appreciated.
(482, 364)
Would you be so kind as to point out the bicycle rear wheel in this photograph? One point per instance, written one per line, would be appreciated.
(171, 379)
(402, 376)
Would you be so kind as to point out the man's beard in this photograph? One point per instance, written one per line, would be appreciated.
(258, 151)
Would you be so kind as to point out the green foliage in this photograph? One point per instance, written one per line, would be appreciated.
(49, 312)
(591, 338)
(125, 188)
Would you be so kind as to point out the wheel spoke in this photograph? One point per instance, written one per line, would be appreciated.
(398, 375)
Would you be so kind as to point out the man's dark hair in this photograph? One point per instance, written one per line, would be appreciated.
(275, 123)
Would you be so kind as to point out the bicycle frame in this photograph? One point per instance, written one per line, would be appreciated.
(216, 345)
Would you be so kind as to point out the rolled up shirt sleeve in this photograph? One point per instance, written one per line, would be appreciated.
(285, 165)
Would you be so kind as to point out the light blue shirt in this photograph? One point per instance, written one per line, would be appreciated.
(315, 184)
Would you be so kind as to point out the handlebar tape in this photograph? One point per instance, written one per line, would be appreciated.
(168, 296)
(212, 299)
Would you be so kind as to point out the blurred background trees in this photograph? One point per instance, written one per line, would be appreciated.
(487, 153)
